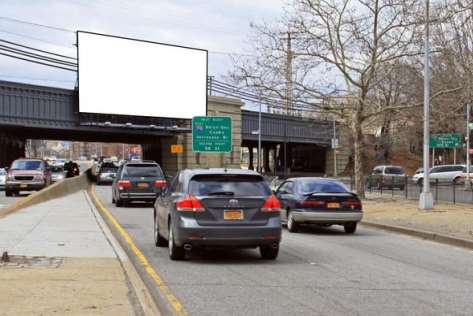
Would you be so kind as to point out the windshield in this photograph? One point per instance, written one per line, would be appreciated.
(142, 170)
(393, 170)
(57, 169)
(27, 165)
(321, 186)
(235, 185)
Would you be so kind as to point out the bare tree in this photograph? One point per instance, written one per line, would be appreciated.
(349, 50)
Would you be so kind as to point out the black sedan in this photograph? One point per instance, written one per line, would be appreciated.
(318, 201)
(229, 208)
(138, 181)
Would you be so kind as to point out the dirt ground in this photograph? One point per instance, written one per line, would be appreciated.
(70, 286)
(448, 219)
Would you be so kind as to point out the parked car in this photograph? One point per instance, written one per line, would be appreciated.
(107, 172)
(443, 173)
(3, 178)
(57, 173)
(319, 201)
(229, 208)
(27, 175)
(387, 176)
(138, 181)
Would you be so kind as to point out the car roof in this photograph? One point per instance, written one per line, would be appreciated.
(236, 171)
(390, 166)
(140, 162)
(28, 159)
(311, 178)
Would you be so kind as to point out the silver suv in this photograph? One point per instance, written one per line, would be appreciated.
(387, 176)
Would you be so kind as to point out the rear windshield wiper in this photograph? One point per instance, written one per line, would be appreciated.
(221, 193)
(319, 192)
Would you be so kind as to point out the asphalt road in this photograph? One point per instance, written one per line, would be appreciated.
(318, 272)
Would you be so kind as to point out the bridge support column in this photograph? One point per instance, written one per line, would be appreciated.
(11, 148)
(250, 157)
(152, 151)
(266, 151)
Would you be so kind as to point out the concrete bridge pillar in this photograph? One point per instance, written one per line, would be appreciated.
(11, 148)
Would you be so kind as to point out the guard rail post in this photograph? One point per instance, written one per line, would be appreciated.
(392, 186)
(454, 190)
(436, 190)
(406, 187)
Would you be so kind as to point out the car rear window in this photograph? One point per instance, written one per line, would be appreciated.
(393, 170)
(237, 185)
(57, 169)
(321, 186)
(143, 170)
(27, 165)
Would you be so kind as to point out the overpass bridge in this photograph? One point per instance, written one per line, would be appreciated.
(39, 112)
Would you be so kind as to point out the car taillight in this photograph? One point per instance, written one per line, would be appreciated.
(271, 205)
(160, 183)
(124, 184)
(352, 203)
(190, 203)
(310, 203)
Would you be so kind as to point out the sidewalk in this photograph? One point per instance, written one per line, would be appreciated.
(60, 263)
(455, 220)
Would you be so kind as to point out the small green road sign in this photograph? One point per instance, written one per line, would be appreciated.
(212, 134)
(470, 125)
(452, 140)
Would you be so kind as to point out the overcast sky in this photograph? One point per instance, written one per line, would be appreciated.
(221, 26)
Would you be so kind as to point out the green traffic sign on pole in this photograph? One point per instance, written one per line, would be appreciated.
(451, 140)
(470, 125)
(212, 134)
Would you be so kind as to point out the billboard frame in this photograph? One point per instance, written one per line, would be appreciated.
(144, 41)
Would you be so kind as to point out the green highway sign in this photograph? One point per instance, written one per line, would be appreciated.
(452, 140)
(212, 134)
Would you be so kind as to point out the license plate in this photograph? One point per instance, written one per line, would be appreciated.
(23, 186)
(233, 214)
(142, 185)
(333, 205)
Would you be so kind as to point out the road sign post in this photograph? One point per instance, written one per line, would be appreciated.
(212, 134)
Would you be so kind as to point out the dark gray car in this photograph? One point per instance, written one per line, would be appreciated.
(229, 208)
(138, 181)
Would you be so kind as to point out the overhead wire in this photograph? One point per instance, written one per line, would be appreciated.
(36, 62)
(36, 56)
(36, 24)
(38, 50)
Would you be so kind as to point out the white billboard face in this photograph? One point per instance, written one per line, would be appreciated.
(130, 77)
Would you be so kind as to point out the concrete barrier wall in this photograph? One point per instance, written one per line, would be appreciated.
(56, 190)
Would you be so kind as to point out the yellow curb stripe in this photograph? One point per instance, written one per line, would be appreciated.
(176, 304)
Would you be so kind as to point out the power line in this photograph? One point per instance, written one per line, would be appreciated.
(38, 50)
(37, 62)
(36, 79)
(36, 39)
(36, 56)
(36, 24)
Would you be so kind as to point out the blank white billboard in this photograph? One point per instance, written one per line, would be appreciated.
(131, 77)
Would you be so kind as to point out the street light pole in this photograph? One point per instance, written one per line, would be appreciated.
(426, 201)
(467, 138)
(259, 139)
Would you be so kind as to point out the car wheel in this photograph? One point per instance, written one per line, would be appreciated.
(158, 240)
(8, 192)
(420, 182)
(350, 227)
(118, 202)
(268, 252)
(292, 226)
(175, 252)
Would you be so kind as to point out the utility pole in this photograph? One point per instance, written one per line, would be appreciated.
(426, 201)
(334, 147)
(467, 138)
(259, 139)
(289, 86)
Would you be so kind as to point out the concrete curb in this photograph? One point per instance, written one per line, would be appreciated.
(444, 239)
(56, 190)
(144, 297)
(155, 291)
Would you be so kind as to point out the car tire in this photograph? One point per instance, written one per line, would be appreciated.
(8, 192)
(118, 202)
(175, 252)
(350, 228)
(420, 182)
(159, 241)
(292, 225)
(268, 252)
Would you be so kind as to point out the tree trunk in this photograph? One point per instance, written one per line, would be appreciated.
(358, 155)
